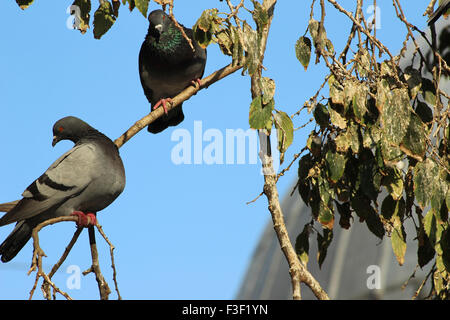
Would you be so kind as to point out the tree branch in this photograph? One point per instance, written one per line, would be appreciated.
(297, 271)
(103, 287)
(38, 253)
(176, 101)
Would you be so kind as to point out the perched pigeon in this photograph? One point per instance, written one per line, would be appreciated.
(85, 179)
(444, 6)
(168, 65)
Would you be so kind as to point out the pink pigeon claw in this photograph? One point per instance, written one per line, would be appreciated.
(197, 83)
(85, 220)
(162, 102)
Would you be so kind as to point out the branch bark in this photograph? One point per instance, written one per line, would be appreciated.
(297, 271)
(38, 253)
(176, 101)
(103, 287)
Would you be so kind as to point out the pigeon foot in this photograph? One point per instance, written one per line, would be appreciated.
(163, 103)
(197, 83)
(85, 220)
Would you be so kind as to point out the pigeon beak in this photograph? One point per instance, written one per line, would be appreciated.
(55, 140)
(159, 27)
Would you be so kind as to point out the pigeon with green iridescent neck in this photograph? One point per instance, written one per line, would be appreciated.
(167, 66)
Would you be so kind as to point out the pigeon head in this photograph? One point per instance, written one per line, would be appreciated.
(159, 23)
(70, 128)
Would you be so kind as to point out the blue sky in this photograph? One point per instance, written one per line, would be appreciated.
(180, 231)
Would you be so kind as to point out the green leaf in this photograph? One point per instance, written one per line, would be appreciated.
(383, 93)
(336, 165)
(23, 4)
(394, 183)
(82, 15)
(428, 91)
(440, 188)
(447, 199)
(329, 46)
(314, 144)
(336, 90)
(313, 27)
(285, 132)
(363, 62)
(302, 245)
(389, 207)
(142, 6)
(205, 27)
(424, 179)
(342, 142)
(323, 243)
(414, 81)
(395, 116)
(304, 165)
(303, 51)
(372, 136)
(224, 41)
(116, 6)
(374, 223)
(326, 216)
(438, 282)
(203, 38)
(353, 137)
(131, 4)
(345, 213)
(103, 19)
(425, 251)
(399, 243)
(238, 46)
(429, 226)
(424, 112)
(207, 21)
(391, 154)
(414, 142)
(350, 89)
(359, 103)
(261, 116)
(268, 89)
(336, 118)
(445, 246)
(252, 48)
(325, 190)
(321, 115)
(260, 15)
(367, 172)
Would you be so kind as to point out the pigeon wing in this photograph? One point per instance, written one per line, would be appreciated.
(66, 178)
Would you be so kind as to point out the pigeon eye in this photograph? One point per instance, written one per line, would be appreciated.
(60, 129)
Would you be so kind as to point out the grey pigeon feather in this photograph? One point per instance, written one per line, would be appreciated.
(87, 178)
(168, 65)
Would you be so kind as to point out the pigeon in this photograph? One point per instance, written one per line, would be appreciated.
(167, 66)
(444, 6)
(85, 179)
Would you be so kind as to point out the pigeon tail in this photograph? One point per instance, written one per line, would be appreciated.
(174, 117)
(15, 241)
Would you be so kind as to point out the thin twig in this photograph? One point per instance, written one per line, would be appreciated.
(113, 265)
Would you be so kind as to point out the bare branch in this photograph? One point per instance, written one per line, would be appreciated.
(176, 101)
(95, 267)
(297, 270)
